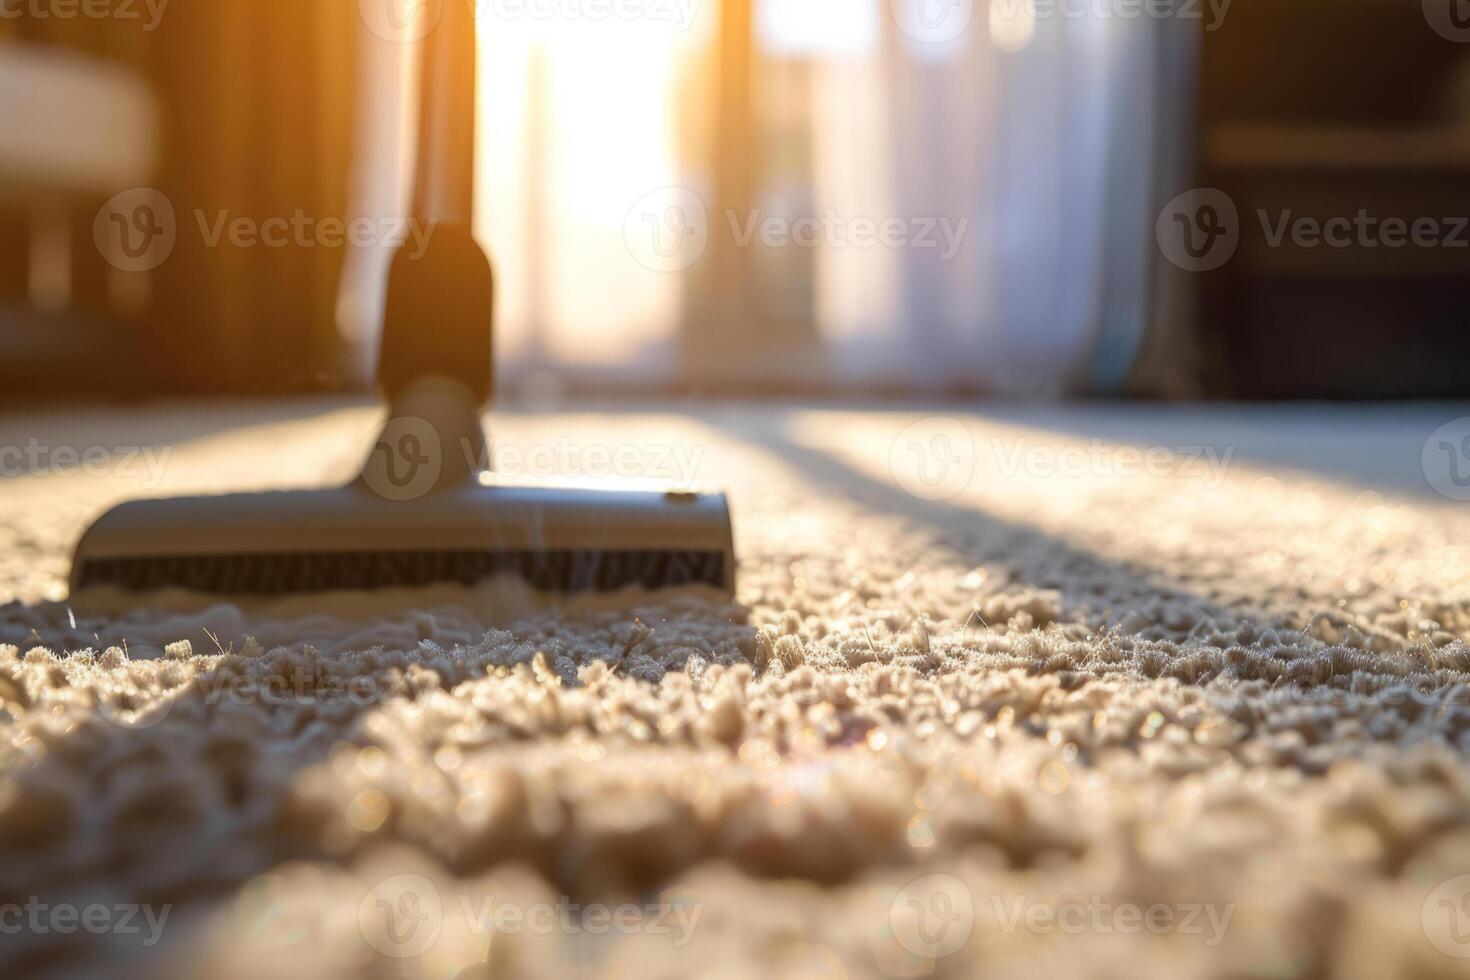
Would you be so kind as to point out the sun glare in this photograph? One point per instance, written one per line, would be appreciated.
(578, 123)
(1012, 23)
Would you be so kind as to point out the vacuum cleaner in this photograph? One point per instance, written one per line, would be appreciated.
(425, 509)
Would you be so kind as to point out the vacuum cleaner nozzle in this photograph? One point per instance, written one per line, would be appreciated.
(424, 510)
(272, 544)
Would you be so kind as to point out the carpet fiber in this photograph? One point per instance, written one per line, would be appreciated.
(1112, 692)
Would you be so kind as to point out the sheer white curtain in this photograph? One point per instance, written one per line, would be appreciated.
(1036, 136)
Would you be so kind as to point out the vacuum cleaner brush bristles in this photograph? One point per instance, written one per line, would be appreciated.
(287, 574)
(555, 539)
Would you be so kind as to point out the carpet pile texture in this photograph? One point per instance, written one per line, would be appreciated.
(1033, 692)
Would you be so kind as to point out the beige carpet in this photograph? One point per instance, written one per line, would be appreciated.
(1039, 692)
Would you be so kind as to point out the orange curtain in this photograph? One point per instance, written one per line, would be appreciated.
(258, 108)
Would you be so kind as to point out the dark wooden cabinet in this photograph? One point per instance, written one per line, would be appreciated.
(1315, 112)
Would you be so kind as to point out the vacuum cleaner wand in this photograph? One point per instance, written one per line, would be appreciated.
(426, 509)
(440, 310)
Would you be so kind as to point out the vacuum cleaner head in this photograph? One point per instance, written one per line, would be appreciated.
(272, 544)
(422, 512)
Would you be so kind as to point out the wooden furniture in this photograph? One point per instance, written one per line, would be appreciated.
(1332, 109)
(79, 129)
